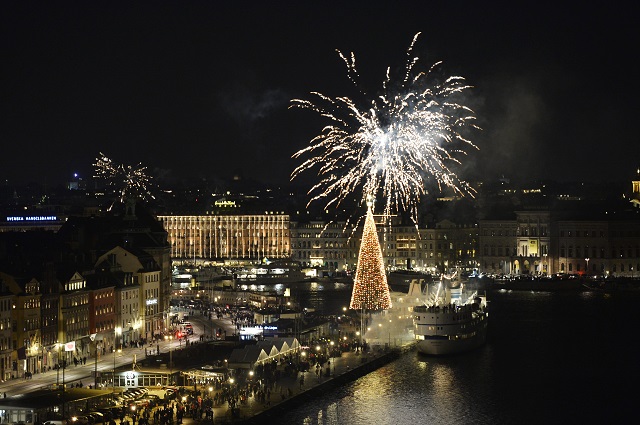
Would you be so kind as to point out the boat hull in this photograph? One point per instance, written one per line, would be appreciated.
(443, 347)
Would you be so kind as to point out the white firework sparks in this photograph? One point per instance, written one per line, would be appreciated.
(128, 181)
(407, 135)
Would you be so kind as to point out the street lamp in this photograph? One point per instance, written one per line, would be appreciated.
(117, 331)
(58, 345)
(587, 260)
(95, 366)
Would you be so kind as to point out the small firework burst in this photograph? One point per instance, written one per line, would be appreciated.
(126, 180)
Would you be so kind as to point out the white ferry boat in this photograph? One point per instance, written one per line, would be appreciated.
(451, 320)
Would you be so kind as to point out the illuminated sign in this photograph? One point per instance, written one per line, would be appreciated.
(152, 301)
(130, 379)
(224, 203)
(34, 218)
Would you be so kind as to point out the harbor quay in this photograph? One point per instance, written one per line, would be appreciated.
(291, 390)
(254, 395)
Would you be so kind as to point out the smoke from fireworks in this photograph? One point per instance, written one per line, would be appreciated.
(126, 180)
(391, 144)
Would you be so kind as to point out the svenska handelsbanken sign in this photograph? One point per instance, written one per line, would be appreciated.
(33, 218)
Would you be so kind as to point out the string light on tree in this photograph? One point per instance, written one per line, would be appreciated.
(370, 288)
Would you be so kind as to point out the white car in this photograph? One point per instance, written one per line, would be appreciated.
(56, 422)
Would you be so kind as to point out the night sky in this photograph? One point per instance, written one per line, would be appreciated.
(196, 89)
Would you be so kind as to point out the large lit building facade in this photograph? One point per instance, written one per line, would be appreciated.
(320, 244)
(539, 243)
(231, 238)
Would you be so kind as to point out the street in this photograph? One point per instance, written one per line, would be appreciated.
(73, 375)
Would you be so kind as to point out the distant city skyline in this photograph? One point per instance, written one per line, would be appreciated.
(202, 90)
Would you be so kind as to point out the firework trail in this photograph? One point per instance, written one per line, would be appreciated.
(389, 145)
(126, 180)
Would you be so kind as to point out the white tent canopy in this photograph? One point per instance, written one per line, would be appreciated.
(264, 351)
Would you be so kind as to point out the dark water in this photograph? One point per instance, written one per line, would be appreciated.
(566, 357)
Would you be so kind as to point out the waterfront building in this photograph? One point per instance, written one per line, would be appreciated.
(579, 240)
(321, 245)
(328, 246)
(399, 243)
(446, 246)
(230, 239)
(498, 245)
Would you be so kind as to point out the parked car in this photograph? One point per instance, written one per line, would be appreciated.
(170, 393)
(156, 400)
(56, 422)
(108, 414)
(97, 417)
(82, 420)
(141, 402)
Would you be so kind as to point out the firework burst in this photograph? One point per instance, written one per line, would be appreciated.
(389, 145)
(128, 181)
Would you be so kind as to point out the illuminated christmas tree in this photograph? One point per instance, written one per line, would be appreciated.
(370, 288)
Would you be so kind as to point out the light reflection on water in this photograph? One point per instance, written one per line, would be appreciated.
(408, 391)
(550, 358)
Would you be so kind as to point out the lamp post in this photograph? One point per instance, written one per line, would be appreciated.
(95, 366)
(587, 260)
(170, 338)
(116, 331)
(58, 368)
(64, 364)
